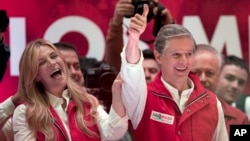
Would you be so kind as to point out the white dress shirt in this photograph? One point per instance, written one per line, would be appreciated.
(7, 108)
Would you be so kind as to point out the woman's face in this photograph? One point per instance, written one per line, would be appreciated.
(51, 70)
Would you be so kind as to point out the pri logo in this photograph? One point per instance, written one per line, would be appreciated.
(162, 117)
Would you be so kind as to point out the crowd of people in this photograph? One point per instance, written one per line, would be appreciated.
(178, 90)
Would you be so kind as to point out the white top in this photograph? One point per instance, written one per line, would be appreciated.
(134, 94)
(6, 109)
(111, 126)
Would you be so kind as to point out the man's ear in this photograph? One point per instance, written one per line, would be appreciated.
(158, 57)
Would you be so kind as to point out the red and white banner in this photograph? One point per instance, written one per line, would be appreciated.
(223, 23)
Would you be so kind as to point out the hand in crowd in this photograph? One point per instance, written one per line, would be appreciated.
(163, 12)
(116, 86)
(138, 23)
(116, 96)
(123, 8)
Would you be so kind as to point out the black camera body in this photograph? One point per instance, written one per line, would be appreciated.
(100, 77)
(4, 20)
(138, 4)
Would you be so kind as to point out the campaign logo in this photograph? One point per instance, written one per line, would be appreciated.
(162, 117)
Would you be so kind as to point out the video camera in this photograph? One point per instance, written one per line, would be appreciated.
(98, 78)
(4, 20)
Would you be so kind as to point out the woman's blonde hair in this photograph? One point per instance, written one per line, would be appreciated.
(36, 99)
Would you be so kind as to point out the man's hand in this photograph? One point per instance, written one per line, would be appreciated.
(123, 8)
(160, 11)
(162, 16)
(138, 23)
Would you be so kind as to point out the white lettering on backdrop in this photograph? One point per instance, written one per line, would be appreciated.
(226, 33)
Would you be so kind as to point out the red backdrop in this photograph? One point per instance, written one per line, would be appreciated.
(223, 23)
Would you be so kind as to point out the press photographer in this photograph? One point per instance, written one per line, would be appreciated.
(4, 49)
(156, 11)
(98, 78)
(159, 15)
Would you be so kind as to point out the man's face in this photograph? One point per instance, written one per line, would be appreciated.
(150, 69)
(176, 60)
(232, 83)
(73, 65)
(207, 66)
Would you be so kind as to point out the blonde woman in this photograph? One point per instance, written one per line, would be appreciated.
(57, 108)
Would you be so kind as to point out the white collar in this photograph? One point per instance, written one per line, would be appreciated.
(56, 101)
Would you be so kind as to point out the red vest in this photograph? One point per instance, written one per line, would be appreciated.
(162, 119)
(233, 115)
(76, 133)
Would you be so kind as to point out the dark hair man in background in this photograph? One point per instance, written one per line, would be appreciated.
(233, 79)
(71, 57)
(151, 67)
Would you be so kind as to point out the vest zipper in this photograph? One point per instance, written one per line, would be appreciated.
(167, 97)
(170, 98)
(59, 127)
(196, 99)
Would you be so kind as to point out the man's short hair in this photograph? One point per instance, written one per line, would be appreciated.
(148, 54)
